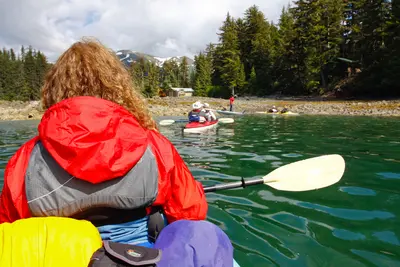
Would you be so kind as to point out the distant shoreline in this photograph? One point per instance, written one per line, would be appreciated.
(174, 106)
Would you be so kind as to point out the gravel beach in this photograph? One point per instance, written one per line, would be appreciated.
(174, 106)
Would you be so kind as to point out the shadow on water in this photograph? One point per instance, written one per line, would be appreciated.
(355, 222)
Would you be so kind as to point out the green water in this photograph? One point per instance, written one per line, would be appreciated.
(353, 223)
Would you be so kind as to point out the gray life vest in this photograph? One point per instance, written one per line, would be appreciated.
(52, 191)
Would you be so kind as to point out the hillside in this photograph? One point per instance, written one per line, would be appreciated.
(129, 56)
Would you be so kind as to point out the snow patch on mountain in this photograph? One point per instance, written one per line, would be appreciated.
(161, 60)
(129, 56)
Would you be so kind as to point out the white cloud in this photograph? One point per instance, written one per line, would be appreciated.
(159, 27)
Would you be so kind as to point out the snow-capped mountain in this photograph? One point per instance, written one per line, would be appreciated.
(129, 56)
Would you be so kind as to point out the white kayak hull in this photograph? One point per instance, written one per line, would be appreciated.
(196, 127)
(226, 112)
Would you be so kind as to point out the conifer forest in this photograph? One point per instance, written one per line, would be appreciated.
(342, 47)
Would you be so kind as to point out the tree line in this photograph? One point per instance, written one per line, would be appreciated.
(349, 47)
(153, 80)
(22, 75)
(318, 46)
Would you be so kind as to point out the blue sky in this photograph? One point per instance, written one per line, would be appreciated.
(159, 27)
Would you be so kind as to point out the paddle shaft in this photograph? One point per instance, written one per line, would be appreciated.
(232, 185)
(181, 120)
(169, 122)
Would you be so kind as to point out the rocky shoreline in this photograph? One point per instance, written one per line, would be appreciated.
(173, 106)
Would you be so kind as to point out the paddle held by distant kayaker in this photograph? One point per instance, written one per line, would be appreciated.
(98, 155)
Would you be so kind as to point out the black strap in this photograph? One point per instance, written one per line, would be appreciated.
(102, 216)
(243, 182)
(155, 224)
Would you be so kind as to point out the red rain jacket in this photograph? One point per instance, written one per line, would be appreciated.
(98, 140)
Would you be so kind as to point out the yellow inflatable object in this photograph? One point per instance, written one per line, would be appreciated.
(48, 242)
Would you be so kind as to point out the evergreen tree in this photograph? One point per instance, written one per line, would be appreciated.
(184, 73)
(30, 73)
(202, 79)
(146, 76)
(137, 70)
(215, 58)
(21, 76)
(253, 80)
(232, 71)
(192, 78)
(374, 21)
(171, 77)
(378, 50)
(317, 40)
(3, 72)
(243, 42)
(259, 48)
(286, 74)
(151, 87)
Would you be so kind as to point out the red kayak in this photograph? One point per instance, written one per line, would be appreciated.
(196, 127)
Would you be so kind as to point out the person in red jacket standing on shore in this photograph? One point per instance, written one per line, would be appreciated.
(98, 155)
(231, 100)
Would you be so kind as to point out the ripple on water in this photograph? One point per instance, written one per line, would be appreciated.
(220, 166)
(347, 235)
(292, 155)
(377, 258)
(358, 191)
(388, 237)
(275, 151)
(349, 214)
(262, 158)
(290, 221)
(276, 164)
(389, 175)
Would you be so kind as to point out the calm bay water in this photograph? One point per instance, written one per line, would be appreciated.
(353, 223)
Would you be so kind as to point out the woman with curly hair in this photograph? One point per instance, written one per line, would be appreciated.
(98, 155)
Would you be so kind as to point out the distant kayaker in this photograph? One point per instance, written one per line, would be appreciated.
(210, 116)
(231, 100)
(285, 110)
(273, 110)
(99, 156)
(197, 114)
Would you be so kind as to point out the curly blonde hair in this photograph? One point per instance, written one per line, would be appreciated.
(88, 68)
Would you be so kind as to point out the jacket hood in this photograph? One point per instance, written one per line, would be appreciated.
(92, 139)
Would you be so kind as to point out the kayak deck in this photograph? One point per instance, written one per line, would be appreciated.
(196, 127)
(226, 112)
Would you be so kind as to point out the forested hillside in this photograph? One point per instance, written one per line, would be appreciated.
(349, 48)
(22, 74)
